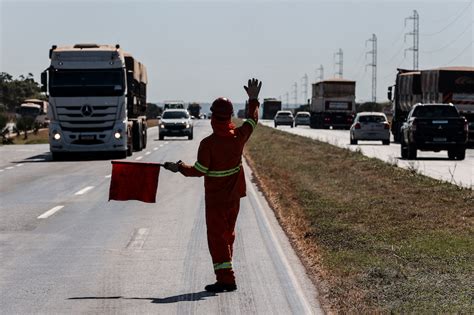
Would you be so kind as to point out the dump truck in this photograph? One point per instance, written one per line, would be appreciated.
(194, 110)
(446, 85)
(332, 104)
(97, 97)
(270, 107)
(36, 109)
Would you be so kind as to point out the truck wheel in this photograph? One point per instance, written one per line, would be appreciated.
(403, 150)
(145, 135)
(353, 141)
(129, 150)
(411, 151)
(461, 154)
(161, 137)
(137, 136)
(122, 154)
(452, 154)
(57, 156)
(386, 142)
(190, 137)
(276, 125)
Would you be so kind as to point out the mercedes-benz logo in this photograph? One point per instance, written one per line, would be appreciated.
(86, 110)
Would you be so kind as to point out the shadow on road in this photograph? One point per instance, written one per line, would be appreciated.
(73, 157)
(197, 296)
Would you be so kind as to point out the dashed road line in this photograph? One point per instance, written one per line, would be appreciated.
(19, 165)
(161, 145)
(155, 149)
(148, 153)
(166, 142)
(138, 238)
(108, 176)
(50, 212)
(139, 158)
(84, 190)
(1, 170)
(9, 168)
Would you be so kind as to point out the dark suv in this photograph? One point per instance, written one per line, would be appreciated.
(434, 127)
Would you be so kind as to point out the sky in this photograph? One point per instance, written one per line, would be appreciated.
(201, 50)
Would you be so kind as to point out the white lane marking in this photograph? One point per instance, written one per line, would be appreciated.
(139, 158)
(50, 212)
(9, 168)
(108, 176)
(19, 165)
(281, 260)
(138, 238)
(84, 190)
(166, 142)
(155, 149)
(1, 170)
(161, 145)
(148, 153)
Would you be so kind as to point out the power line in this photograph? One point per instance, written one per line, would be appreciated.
(461, 53)
(450, 43)
(462, 12)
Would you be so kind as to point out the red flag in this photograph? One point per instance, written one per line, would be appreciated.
(134, 181)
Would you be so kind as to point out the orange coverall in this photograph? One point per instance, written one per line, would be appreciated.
(220, 161)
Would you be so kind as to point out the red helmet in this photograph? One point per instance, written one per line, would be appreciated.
(222, 108)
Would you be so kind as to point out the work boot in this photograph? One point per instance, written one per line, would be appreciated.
(220, 287)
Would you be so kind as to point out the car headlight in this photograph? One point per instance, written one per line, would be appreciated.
(187, 126)
(162, 126)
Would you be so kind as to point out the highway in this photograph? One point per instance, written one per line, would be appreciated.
(436, 165)
(65, 249)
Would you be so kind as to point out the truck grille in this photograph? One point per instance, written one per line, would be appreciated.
(86, 118)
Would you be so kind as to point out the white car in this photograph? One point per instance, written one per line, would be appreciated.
(370, 126)
(302, 118)
(283, 117)
(176, 123)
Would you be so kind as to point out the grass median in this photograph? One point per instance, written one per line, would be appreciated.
(374, 237)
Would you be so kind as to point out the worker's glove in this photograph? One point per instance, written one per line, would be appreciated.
(171, 166)
(253, 89)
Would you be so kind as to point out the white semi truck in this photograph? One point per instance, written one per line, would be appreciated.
(97, 98)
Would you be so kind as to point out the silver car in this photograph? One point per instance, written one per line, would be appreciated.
(370, 126)
(283, 117)
(302, 118)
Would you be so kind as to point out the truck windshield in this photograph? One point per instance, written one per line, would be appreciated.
(435, 111)
(96, 82)
(29, 111)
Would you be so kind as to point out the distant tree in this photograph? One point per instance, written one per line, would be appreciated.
(14, 91)
(3, 120)
(153, 110)
(370, 107)
(24, 124)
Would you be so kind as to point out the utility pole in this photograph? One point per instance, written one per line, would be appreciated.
(295, 91)
(320, 73)
(304, 91)
(373, 64)
(416, 37)
(338, 62)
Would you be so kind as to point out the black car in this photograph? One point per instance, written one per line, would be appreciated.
(434, 127)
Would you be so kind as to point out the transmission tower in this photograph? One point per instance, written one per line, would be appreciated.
(320, 73)
(287, 99)
(373, 64)
(304, 91)
(295, 93)
(416, 37)
(338, 62)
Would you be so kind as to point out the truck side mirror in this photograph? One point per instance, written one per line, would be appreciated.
(44, 81)
(389, 93)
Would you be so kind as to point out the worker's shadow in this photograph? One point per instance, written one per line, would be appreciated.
(198, 296)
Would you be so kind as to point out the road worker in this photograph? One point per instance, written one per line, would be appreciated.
(219, 159)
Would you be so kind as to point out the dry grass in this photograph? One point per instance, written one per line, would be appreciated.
(373, 236)
(40, 137)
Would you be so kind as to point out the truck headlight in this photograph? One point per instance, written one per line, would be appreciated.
(118, 134)
(56, 135)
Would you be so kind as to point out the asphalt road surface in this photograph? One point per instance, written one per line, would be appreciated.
(436, 165)
(65, 249)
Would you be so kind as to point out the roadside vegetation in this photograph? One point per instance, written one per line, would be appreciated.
(374, 237)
